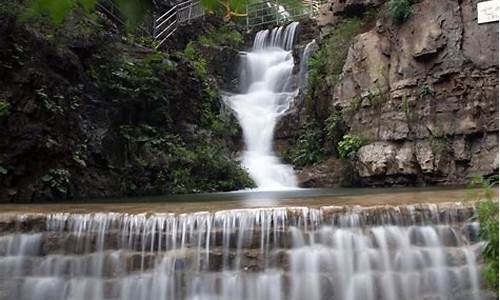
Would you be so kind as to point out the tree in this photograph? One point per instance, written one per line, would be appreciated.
(231, 8)
(133, 10)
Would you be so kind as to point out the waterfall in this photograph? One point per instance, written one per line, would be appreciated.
(268, 91)
(344, 253)
(304, 68)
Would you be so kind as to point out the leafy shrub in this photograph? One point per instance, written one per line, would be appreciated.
(136, 80)
(185, 169)
(488, 218)
(316, 68)
(57, 179)
(309, 149)
(57, 10)
(333, 124)
(199, 63)
(399, 10)
(487, 210)
(349, 146)
(222, 36)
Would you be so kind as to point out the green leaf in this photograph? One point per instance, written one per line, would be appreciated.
(88, 5)
(3, 171)
(133, 10)
(47, 178)
(57, 10)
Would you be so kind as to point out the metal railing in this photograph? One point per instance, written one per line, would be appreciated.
(272, 12)
(257, 14)
(109, 8)
(181, 13)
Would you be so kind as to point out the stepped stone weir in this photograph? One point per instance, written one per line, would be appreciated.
(405, 252)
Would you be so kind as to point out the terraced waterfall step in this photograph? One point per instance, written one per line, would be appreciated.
(423, 251)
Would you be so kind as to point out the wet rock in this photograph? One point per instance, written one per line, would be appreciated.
(375, 159)
(427, 89)
(365, 69)
(485, 155)
(480, 41)
(354, 7)
(404, 161)
(425, 156)
(329, 173)
(461, 150)
(223, 65)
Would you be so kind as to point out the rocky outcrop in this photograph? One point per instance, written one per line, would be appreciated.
(423, 94)
(92, 114)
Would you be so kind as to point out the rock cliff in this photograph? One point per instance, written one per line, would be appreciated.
(422, 94)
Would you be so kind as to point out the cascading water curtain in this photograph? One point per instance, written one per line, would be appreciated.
(268, 92)
(296, 253)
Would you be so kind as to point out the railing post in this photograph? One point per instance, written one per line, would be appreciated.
(246, 9)
(190, 10)
(311, 8)
(276, 8)
(262, 16)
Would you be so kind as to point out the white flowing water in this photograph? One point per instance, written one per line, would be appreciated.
(304, 67)
(268, 92)
(290, 253)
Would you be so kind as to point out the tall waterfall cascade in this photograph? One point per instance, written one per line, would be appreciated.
(291, 253)
(268, 91)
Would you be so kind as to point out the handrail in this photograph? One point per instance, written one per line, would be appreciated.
(271, 12)
(108, 8)
(257, 14)
(183, 12)
(168, 12)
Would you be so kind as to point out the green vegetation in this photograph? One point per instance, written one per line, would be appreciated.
(57, 179)
(199, 62)
(333, 124)
(327, 62)
(487, 210)
(4, 108)
(136, 80)
(400, 10)
(3, 171)
(488, 217)
(222, 36)
(181, 168)
(218, 122)
(411, 117)
(308, 150)
(425, 90)
(349, 146)
(57, 10)
(227, 8)
(354, 106)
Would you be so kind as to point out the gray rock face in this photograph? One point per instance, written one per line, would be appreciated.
(375, 159)
(435, 80)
